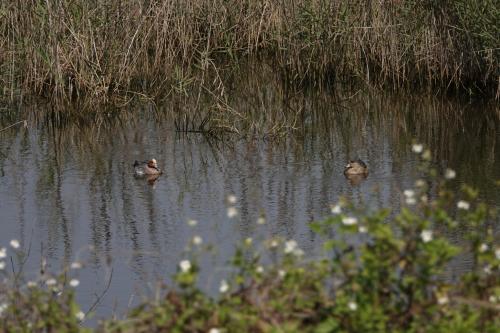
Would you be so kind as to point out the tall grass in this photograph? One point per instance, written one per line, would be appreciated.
(113, 50)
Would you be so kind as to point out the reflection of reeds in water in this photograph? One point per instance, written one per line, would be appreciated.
(286, 163)
(290, 176)
(263, 107)
(115, 50)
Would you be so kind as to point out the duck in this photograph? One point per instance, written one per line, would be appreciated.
(356, 167)
(146, 168)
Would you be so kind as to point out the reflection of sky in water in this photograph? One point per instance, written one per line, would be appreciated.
(63, 193)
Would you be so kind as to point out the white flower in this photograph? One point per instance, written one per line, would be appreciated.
(487, 269)
(463, 205)
(197, 240)
(362, 229)
(185, 266)
(214, 330)
(3, 252)
(443, 299)
(248, 241)
(224, 286)
(14, 243)
(409, 193)
(192, 222)
(483, 248)
(290, 246)
(231, 199)
(420, 183)
(349, 220)
(274, 243)
(51, 282)
(426, 235)
(410, 201)
(424, 198)
(2, 265)
(80, 315)
(298, 252)
(259, 269)
(261, 220)
(76, 265)
(232, 212)
(450, 174)
(336, 209)
(497, 253)
(3, 307)
(31, 284)
(417, 148)
(352, 306)
(281, 273)
(74, 283)
(492, 299)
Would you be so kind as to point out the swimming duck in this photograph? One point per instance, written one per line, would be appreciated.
(356, 167)
(146, 168)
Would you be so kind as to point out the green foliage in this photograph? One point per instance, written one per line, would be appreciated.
(39, 309)
(381, 271)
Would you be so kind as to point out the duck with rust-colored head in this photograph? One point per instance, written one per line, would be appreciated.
(356, 167)
(146, 168)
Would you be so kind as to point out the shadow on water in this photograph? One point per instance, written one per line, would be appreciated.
(70, 184)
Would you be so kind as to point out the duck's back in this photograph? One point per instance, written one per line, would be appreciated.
(139, 169)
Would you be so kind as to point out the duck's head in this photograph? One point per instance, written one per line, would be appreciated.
(152, 163)
(356, 163)
(352, 164)
(356, 167)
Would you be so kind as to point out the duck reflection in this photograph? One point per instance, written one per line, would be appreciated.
(152, 179)
(356, 179)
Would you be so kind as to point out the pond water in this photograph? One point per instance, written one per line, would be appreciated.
(68, 192)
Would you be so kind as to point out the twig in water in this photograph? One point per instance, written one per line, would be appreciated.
(21, 121)
(99, 298)
(23, 260)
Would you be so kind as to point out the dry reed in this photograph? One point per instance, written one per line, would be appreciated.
(112, 51)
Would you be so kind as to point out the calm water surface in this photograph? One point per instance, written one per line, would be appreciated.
(68, 193)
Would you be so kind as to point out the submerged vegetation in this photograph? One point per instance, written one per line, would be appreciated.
(113, 51)
(380, 270)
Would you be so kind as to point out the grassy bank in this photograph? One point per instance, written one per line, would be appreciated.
(113, 50)
(381, 270)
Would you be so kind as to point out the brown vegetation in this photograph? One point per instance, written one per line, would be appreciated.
(104, 50)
